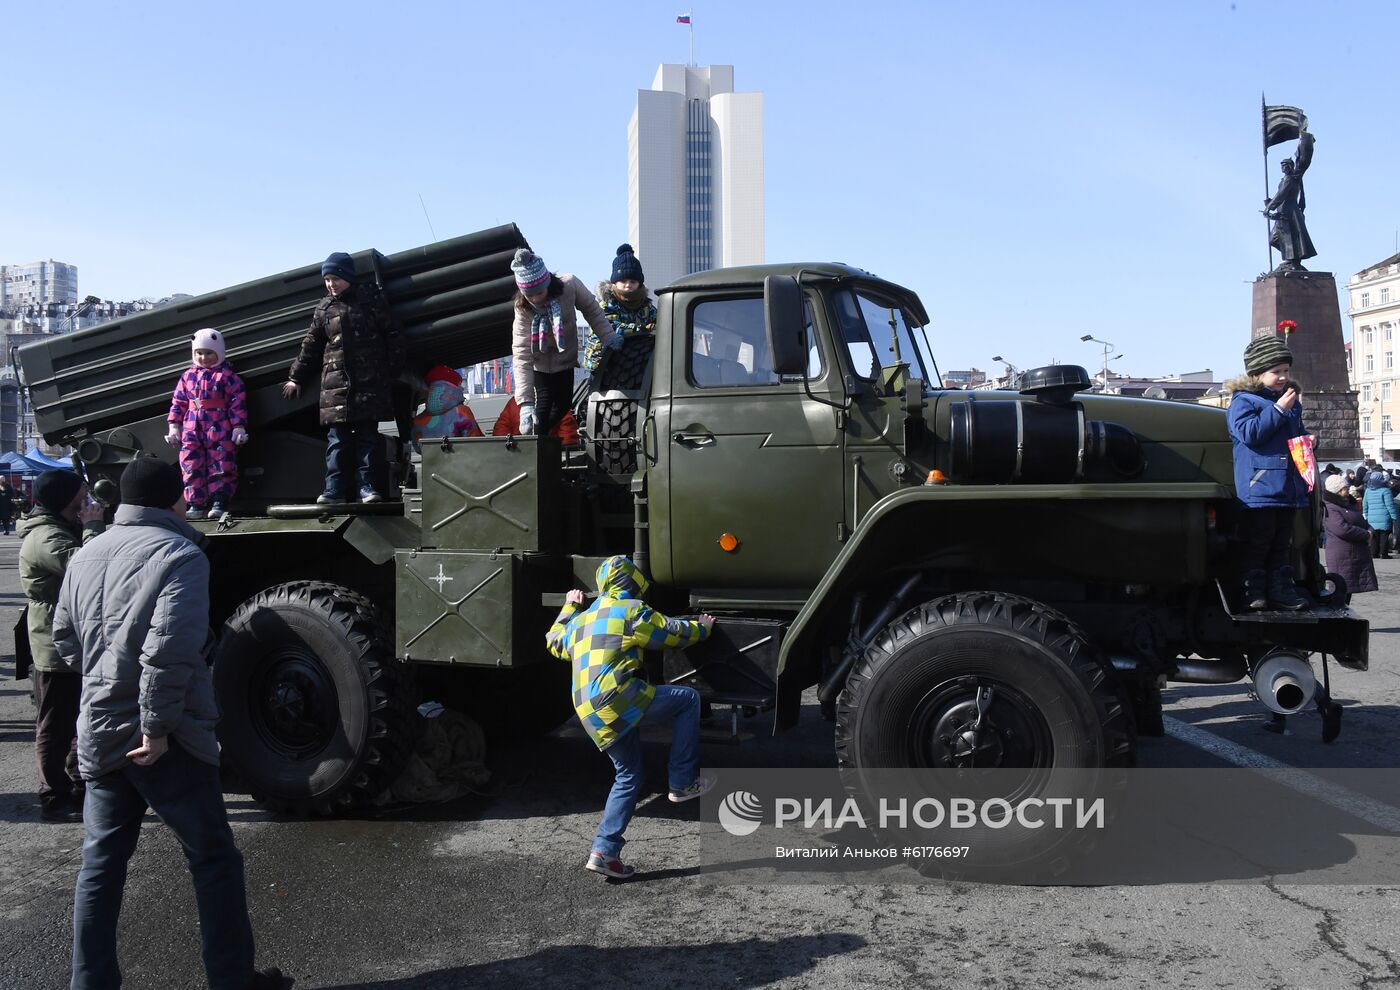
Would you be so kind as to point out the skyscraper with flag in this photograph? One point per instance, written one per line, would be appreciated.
(695, 172)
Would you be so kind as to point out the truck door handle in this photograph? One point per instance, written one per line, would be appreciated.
(698, 439)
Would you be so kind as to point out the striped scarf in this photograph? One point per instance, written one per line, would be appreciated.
(545, 320)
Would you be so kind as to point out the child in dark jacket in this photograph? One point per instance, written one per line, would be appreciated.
(208, 421)
(626, 304)
(353, 345)
(1265, 412)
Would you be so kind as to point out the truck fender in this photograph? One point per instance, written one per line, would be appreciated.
(885, 528)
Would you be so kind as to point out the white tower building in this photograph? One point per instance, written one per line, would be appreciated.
(695, 173)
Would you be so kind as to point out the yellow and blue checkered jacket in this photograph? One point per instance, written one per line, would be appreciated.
(605, 643)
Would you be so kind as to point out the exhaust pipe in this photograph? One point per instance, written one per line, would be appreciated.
(1192, 671)
(1284, 682)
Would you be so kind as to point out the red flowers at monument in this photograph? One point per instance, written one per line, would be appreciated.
(1287, 326)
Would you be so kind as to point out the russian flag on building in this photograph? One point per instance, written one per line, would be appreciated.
(683, 19)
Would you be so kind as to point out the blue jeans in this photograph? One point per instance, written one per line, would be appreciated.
(672, 703)
(185, 794)
(350, 450)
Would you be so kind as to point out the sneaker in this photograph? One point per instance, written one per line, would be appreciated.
(368, 495)
(701, 785)
(217, 509)
(608, 866)
(195, 512)
(328, 498)
(270, 979)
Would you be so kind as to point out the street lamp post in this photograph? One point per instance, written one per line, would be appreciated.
(1380, 399)
(1107, 347)
(1010, 370)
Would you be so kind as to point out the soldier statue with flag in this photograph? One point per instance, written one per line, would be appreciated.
(1289, 231)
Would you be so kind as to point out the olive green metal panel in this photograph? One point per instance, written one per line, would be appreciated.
(491, 493)
(453, 298)
(456, 608)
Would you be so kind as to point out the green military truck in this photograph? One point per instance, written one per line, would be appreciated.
(983, 579)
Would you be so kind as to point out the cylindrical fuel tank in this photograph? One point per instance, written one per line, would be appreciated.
(1001, 441)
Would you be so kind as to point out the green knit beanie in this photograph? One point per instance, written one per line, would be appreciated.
(1265, 352)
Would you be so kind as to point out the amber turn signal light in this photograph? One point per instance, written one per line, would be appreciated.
(728, 542)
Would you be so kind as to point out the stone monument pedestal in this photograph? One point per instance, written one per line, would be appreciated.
(1309, 299)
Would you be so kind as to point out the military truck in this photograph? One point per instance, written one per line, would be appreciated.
(967, 578)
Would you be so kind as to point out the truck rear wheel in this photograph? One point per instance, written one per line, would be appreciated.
(988, 681)
(318, 716)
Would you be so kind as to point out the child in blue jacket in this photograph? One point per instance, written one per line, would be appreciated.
(1265, 412)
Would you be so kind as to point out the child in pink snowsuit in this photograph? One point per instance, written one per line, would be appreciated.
(208, 420)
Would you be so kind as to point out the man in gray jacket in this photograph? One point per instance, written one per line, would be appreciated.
(132, 616)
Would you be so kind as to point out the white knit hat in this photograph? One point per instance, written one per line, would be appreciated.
(208, 339)
(1336, 483)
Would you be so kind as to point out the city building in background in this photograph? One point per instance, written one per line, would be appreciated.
(971, 378)
(39, 283)
(1375, 315)
(695, 173)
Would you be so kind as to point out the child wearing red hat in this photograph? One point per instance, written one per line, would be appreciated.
(445, 413)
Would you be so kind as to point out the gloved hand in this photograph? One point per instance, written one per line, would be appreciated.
(527, 419)
(615, 342)
(240, 436)
(173, 438)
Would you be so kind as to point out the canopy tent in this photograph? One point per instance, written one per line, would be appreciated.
(13, 462)
(42, 462)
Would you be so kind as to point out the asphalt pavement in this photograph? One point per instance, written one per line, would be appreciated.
(489, 890)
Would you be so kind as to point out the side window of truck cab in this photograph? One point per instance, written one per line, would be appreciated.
(729, 345)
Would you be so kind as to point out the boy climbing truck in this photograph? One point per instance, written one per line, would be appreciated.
(780, 454)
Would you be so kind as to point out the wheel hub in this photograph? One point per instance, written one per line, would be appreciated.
(965, 743)
(297, 705)
(978, 723)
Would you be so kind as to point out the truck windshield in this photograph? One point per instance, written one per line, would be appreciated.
(878, 334)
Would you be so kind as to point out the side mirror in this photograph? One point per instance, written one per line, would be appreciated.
(782, 318)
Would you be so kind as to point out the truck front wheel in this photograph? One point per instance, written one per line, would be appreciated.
(1006, 692)
(981, 680)
(317, 714)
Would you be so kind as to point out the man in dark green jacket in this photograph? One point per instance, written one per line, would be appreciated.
(63, 520)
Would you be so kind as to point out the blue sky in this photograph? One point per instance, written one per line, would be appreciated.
(1035, 171)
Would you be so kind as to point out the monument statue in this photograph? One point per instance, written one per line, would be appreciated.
(1290, 231)
(1301, 303)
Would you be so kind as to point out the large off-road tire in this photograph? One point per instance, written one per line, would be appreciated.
(1055, 716)
(318, 716)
